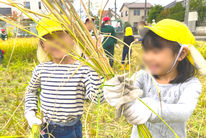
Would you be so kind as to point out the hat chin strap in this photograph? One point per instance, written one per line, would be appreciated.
(178, 55)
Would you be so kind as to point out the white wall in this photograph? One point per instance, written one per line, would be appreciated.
(33, 7)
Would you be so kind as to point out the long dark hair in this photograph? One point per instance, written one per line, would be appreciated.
(185, 69)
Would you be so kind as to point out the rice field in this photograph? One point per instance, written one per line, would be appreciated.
(15, 78)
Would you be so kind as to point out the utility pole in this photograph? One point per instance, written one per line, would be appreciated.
(80, 13)
(89, 6)
(145, 10)
(187, 9)
(115, 9)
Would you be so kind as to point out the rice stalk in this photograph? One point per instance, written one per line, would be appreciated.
(71, 22)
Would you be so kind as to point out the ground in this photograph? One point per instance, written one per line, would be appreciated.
(15, 78)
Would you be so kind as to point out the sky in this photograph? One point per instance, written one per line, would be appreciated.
(120, 2)
(96, 4)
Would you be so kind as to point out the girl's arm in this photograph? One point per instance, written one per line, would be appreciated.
(31, 97)
(93, 82)
(182, 110)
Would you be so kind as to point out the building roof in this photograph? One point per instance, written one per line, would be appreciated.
(172, 4)
(135, 5)
(5, 11)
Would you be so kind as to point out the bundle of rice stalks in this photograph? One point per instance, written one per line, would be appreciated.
(66, 15)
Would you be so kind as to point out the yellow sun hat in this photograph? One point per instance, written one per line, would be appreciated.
(176, 31)
(48, 25)
(128, 31)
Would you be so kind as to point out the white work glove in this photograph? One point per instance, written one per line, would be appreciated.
(113, 89)
(32, 119)
(136, 112)
(120, 93)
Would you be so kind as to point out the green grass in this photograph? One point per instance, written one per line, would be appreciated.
(15, 79)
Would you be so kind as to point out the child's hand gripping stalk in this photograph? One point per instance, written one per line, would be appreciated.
(32, 119)
(119, 91)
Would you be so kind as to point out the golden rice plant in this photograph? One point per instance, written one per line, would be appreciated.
(68, 17)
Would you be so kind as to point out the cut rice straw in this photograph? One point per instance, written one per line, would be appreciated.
(67, 16)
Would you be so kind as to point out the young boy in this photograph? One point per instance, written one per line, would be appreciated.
(128, 39)
(64, 83)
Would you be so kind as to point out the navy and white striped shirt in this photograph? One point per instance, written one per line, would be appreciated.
(63, 89)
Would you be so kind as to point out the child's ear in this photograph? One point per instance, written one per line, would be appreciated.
(183, 54)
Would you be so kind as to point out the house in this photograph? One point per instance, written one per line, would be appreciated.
(14, 14)
(134, 13)
(5, 11)
(33, 5)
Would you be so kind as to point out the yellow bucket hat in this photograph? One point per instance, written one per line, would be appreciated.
(128, 31)
(46, 26)
(176, 31)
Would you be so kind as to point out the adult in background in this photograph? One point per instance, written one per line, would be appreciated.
(3, 34)
(108, 42)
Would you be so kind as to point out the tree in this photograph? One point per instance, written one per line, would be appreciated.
(200, 7)
(154, 13)
(177, 12)
(163, 14)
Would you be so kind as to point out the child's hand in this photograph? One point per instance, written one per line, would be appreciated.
(113, 89)
(32, 119)
(130, 94)
(136, 40)
(117, 45)
(136, 112)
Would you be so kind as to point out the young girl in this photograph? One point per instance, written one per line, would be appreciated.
(128, 39)
(166, 46)
(64, 83)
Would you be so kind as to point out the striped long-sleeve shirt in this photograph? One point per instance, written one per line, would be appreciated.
(63, 89)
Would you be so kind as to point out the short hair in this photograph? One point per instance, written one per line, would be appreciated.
(142, 22)
(87, 20)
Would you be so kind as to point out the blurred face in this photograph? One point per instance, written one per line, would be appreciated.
(108, 22)
(90, 25)
(58, 44)
(140, 27)
(159, 61)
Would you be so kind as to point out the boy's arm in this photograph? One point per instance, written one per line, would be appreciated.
(93, 83)
(31, 97)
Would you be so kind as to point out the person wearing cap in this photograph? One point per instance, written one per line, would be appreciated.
(109, 42)
(128, 39)
(3, 35)
(172, 60)
(64, 84)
